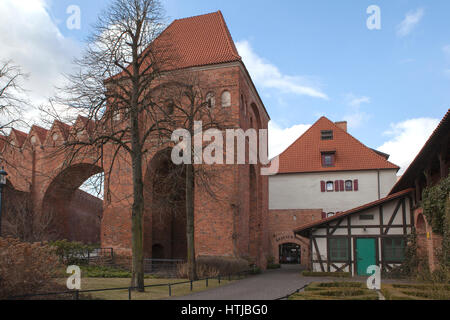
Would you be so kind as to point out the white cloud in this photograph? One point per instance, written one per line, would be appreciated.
(411, 20)
(32, 40)
(267, 75)
(281, 138)
(355, 101)
(407, 139)
(356, 117)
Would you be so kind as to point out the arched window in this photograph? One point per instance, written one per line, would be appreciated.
(33, 140)
(211, 100)
(226, 99)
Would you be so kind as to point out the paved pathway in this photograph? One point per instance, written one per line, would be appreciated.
(269, 285)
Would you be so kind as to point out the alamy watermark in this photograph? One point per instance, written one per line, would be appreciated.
(74, 281)
(208, 148)
(374, 20)
(73, 22)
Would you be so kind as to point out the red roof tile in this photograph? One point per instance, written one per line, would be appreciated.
(302, 230)
(305, 154)
(198, 41)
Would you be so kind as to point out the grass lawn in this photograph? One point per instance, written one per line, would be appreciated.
(150, 293)
(343, 290)
(416, 291)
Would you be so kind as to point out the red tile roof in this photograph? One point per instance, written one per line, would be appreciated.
(303, 229)
(305, 154)
(199, 41)
(425, 156)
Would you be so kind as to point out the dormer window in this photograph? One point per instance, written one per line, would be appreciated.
(327, 134)
(328, 159)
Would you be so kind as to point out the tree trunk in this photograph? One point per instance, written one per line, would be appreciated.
(190, 182)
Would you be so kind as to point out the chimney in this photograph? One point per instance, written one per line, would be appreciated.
(342, 125)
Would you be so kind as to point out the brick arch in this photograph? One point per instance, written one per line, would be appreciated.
(62, 200)
(164, 211)
(288, 237)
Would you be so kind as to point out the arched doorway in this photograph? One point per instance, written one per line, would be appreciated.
(290, 253)
(165, 209)
(71, 213)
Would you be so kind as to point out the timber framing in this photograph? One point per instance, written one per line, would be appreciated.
(391, 221)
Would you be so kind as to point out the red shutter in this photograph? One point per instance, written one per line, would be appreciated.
(356, 185)
(342, 185)
(322, 186)
(336, 186)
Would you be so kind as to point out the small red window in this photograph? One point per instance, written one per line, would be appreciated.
(356, 185)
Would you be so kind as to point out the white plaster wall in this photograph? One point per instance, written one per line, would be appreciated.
(302, 190)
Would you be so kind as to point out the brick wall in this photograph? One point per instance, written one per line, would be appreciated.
(281, 226)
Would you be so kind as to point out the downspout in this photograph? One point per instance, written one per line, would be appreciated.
(379, 187)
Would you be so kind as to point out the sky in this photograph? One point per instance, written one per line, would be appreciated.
(307, 58)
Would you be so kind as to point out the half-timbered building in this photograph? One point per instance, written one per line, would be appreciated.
(372, 234)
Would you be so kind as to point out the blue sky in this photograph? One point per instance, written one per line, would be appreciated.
(307, 59)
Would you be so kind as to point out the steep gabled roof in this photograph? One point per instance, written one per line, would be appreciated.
(20, 136)
(199, 41)
(305, 154)
(426, 155)
(303, 229)
(40, 132)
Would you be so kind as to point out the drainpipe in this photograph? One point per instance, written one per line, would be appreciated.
(379, 187)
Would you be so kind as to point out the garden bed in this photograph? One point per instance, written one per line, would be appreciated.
(336, 291)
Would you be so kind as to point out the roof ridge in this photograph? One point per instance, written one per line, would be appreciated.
(301, 136)
(362, 144)
(196, 16)
(230, 41)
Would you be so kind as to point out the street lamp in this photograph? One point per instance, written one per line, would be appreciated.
(3, 175)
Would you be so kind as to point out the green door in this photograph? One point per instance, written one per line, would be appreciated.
(365, 255)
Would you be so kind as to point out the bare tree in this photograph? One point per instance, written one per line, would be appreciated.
(113, 92)
(11, 96)
(187, 101)
(21, 222)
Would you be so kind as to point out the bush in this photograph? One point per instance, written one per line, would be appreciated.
(72, 252)
(214, 266)
(104, 272)
(273, 266)
(327, 274)
(27, 268)
(336, 291)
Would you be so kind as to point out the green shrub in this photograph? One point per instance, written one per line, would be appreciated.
(273, 266)
(336, 291)
(72, 252)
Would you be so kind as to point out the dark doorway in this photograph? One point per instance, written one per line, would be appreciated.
(290, 253)
(158, 251)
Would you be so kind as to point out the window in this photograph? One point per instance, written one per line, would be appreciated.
(327, 135)
(338, 249)
(349, 185)
(327, 159)
(330, 214)
(211, 100)
(394, 249)
(366, 217)
(226, 99)
(330, 186)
